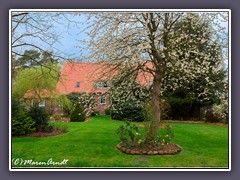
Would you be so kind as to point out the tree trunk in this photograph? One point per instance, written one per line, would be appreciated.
(155, 121)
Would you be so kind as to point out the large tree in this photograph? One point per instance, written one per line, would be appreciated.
(35, 81)
(190, 95)
(124, 38)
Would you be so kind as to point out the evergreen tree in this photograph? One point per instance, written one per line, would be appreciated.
(78, 114)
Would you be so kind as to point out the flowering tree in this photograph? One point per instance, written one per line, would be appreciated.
(86, 99)
(88, 102)
(138, 38)
(205, 89)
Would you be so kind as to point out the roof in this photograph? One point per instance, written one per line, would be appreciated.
(88, 74)
(42, 93)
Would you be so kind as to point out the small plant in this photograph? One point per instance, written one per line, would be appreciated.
(95, 113)
(166, 135)
(58, 126)
(78, 114)
(56, 117)
(40, 116)
(22, 124)
(129, 134)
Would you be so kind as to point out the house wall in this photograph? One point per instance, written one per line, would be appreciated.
(50, 105)
(101, 107)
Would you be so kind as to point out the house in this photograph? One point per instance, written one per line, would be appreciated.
(94, 78)
(44, 98)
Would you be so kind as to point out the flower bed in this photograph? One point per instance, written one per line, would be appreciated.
(166, 150)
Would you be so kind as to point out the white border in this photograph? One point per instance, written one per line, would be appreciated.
(117, 168)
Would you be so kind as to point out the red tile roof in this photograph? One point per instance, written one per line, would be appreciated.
(87, 74)
(42, 93)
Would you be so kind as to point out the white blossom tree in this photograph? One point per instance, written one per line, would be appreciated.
(137, 38)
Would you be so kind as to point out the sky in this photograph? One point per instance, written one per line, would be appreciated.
(69, 28)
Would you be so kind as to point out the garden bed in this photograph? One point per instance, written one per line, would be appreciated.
(45, 134)
(169, 149)
(197, 122)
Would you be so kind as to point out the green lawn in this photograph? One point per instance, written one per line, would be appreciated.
(92, 144)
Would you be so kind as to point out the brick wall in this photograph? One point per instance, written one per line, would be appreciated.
(101, 107)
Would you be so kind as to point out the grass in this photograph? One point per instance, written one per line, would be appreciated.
(92, 144)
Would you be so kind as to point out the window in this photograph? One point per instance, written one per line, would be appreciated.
(103, 100)
(102, 85)
(42, 104)
(77, 84)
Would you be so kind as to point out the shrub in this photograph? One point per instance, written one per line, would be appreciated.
(56, 117)
(166, 135)
(107, 111)
(22, 124)
(65, 104)
(40, 116)
(86, 99)
(213, 115)
(17, 105)
(218, 112)
(59, 126)
(128, 134)
(95, 113)
(127, 103)
(78, 114)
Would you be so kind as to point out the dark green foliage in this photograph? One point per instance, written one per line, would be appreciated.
(95, 113)
(78, 114)
(128, 112)
(74, 97)
(86, 99)
(185, 104)
(107, 111)
(33, 58)
(22, 124)
(17, 105)
(40, 116)
(211, 117)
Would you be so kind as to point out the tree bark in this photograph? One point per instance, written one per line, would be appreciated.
(152, 135)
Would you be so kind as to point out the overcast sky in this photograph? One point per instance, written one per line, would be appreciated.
(70, 29)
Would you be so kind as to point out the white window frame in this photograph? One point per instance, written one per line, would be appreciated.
(101, 85)
(101, 98)
(42, 103)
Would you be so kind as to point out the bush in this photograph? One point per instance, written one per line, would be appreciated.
(128, 112)
(58, 126)
(22, 124)
(95, 113)
(56, 117)
(17, 105)
(66, 104)
(107, 111)
(40, 116)
(210, 116)
(128, 134)
(78, 114)
(127, 103)
(86, 99)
